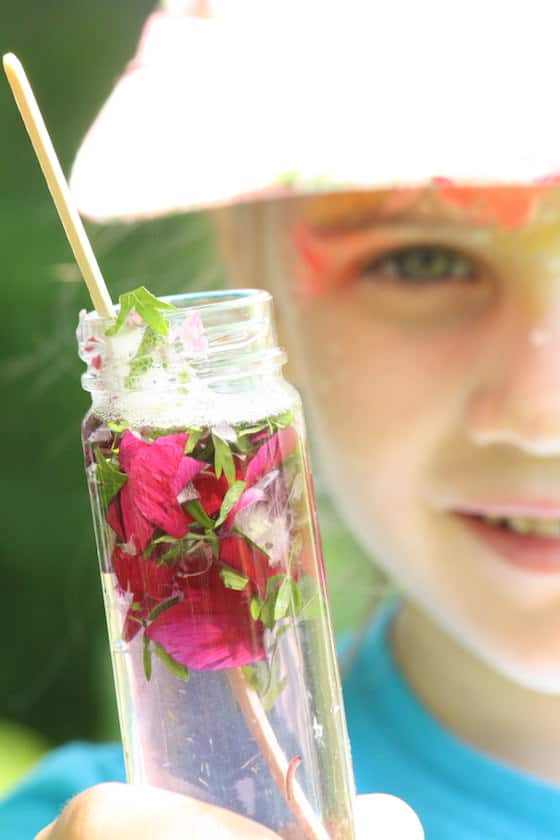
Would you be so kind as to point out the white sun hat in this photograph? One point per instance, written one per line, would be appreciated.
(270, 97)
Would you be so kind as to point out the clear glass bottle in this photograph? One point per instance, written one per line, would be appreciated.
(213, 579)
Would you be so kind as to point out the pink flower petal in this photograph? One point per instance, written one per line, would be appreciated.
(271, 454)
(193, 333)
(247, 498)
(188, 469)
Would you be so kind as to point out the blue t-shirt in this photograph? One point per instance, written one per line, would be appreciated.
(397, 747)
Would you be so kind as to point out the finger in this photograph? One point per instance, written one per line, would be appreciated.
(139, 812)
(45, 833)
(386, 817)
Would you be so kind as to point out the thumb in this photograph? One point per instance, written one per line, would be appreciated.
(385, 817)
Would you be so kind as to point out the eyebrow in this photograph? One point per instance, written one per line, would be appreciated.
(400, 220)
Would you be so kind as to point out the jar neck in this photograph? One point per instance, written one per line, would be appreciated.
(217, 346)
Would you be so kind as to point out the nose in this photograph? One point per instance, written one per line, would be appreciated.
(516, 401)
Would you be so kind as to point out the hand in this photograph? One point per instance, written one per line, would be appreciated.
(129, 812)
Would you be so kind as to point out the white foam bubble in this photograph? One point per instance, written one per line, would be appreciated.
(196, 405)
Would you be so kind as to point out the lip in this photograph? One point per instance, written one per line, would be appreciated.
(530, 552)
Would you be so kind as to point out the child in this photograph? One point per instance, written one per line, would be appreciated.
(422, 325)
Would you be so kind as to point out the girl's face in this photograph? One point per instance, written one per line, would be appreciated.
(425, 331)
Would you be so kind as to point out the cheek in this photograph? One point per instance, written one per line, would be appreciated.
(382, 401)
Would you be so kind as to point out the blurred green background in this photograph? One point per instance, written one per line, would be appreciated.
(56, 683)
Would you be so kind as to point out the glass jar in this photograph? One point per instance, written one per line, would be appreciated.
(225, 670)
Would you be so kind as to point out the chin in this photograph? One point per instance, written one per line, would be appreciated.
(543, 678)
(539, 674)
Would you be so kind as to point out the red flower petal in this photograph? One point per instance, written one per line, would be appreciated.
(271, 454)
(211, 491)
(133, 624)
(138, 529)
(114, 518)
(237, 553)
(142, 576)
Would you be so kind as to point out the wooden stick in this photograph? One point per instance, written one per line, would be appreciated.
(282, 770)
(58, 186)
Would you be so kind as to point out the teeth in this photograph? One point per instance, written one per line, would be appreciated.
(524, 525)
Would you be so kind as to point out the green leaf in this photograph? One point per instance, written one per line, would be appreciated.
(251, 674)
(166, 539)
(296, 596)
(194, 436)
(171, 664)
(282, 421)
(250, 542)
(117, 427)
(273, 582)
(162, 607)
(147, 306)
(255, 607)
(229, 501)
(199, 514)
(223, 459)
(275, 689)
(267, 611)
(312, 608)
(109, 479)
(265, 680)
(283, 597)
(147, 658)
(142, 361)
(252, 430)
(243, 445)
(233, 579)
(212, 538)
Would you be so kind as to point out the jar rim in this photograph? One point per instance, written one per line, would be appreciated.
(223, 300)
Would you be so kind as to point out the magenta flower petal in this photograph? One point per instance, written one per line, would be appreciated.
(157, 472)
(188, 469)
(138, 529)
(130, 446)
(247, 498)
(271, 454)
(176, 442)
(210, 630)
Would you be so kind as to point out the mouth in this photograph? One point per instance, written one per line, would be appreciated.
(530, 543)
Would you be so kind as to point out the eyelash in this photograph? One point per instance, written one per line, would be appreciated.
(420, 265)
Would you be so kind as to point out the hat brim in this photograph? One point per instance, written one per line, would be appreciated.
(215, 111)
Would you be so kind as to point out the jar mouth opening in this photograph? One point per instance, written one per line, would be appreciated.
(211, 336)
(221, 301)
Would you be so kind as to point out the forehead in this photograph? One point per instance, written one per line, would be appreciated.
(505, 208)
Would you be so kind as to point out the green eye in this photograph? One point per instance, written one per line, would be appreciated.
(422, 264)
